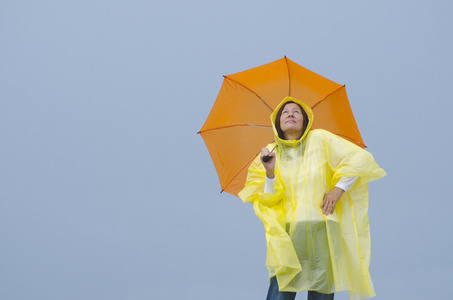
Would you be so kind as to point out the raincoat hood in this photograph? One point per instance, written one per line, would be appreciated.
(306, 108)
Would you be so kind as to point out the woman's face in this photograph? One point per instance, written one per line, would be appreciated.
(292, 120)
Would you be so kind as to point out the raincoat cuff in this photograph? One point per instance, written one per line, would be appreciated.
(269, 199)
(362, 178)
(255, 192)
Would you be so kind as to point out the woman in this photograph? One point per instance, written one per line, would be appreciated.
(312, 196)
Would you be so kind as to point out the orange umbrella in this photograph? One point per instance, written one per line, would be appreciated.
(239, 125)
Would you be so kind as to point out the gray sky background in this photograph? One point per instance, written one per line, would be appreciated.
(107, 192)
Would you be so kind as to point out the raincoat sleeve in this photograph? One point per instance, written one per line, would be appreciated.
(349, 160)
(269, 207)
(254, 186)
(345, 159)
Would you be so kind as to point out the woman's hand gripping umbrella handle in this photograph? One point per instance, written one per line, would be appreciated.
(268, 161)
(267, 158)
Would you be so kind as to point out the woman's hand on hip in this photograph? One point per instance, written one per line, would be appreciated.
(330, 200)
(269, 165)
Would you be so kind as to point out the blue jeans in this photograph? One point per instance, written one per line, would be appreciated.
(275, 294)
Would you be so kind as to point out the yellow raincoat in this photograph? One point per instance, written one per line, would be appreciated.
(307, 250)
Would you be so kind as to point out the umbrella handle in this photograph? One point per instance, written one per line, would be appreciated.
(266, 158)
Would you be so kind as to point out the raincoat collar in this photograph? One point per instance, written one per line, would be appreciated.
(307, 109)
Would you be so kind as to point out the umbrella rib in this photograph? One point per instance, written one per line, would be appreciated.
(289, 77)
(313, 107)
(247, 88)
(235, 125)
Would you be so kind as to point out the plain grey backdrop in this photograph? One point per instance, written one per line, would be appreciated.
(106, 190)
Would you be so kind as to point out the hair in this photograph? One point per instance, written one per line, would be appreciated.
(279, 114)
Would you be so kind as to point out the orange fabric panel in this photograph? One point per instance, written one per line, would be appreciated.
(335, 115)
(229, 159)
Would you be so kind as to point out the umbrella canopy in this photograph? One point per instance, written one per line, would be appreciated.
(239, 124)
